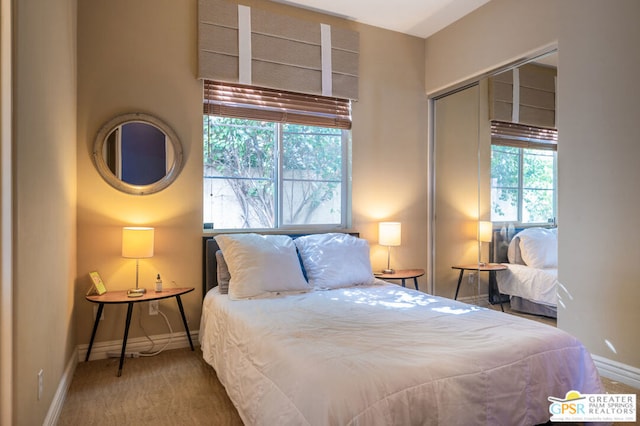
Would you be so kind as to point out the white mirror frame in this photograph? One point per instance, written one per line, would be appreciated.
(112, 179)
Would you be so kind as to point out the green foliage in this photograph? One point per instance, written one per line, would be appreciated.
(534, 197)
(246, 153)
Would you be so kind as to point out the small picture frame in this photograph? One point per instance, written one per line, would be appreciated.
(97, 286)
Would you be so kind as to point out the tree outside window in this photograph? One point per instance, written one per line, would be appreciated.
(523, 184)
(261, 174)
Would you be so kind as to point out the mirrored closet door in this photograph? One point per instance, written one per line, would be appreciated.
(492, 169)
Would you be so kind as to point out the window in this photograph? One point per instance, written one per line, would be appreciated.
(523, 174)
(261, 173)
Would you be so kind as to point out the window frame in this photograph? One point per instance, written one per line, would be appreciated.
(278, 180)
(525, 137)
(345, 187)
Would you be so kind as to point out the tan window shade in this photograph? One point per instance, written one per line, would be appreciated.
(241, 101)
(536, 98)
(265, 49)
(521, 136)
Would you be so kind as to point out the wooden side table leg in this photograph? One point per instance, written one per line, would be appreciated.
(95, 328)
(459, 281)
(124, 340)
(184, 320)
(403, 282)
(415, 282)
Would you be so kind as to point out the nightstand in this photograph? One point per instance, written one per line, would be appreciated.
(403, 275)
(116, 297)
(480, 267)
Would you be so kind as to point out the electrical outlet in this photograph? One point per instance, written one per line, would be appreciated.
(153, 307)
(95, 312)
(472, 278)
(40, 383)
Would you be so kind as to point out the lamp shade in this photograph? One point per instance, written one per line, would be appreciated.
(485, 231)
(137, 242)
(389, 233)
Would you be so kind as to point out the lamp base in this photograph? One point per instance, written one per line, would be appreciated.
(136, 292)
(388, 271)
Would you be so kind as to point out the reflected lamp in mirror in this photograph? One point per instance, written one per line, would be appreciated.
(485, 235)
(137, 243)
(137, 153)
(390, 235)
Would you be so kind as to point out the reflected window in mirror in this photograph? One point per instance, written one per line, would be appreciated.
(523, 173)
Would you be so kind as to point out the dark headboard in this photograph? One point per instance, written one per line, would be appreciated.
(210, 265)
(500, 244)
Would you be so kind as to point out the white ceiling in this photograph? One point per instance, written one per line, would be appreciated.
(420, 18)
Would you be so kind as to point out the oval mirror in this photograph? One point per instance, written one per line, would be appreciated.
(137, 153)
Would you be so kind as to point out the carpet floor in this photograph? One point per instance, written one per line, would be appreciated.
(175, 387)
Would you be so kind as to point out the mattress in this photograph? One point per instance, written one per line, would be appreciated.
(536, 285)
(387, 355)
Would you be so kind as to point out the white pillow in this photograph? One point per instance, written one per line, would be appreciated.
(539, 247)
(335, 260)
(513, 251)
(261, 265)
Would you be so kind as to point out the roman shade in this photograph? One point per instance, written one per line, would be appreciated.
(524, 95)
(256, 103)
(250, 46)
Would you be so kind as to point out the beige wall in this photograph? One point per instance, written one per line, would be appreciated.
(498, 33)
(390, 146)
(141, 56)
(597, 200)
(598, 176)
(44, 202)
(138, 56)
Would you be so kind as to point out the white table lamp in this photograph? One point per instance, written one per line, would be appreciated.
(137, 243)
(485, 235)
(389, 234)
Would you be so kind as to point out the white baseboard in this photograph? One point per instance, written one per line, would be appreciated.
(617, 371)
(61, 393)
(100, 350)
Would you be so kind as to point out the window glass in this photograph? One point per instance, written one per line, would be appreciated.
(538, 186)
(312, 175)
(261, 174)
(523, 184)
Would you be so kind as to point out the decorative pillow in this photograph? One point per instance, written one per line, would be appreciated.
(539, 247)
(335, 260)
(261, 265)
(223, 273)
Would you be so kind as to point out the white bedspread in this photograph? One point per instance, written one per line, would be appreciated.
(386, 355)
(537, 285)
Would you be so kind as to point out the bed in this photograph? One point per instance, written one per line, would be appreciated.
(368, 352)
(531, 278)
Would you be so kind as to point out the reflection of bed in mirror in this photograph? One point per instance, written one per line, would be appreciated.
(531, 280)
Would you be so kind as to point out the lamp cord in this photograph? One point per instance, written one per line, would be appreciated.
(153, 344)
